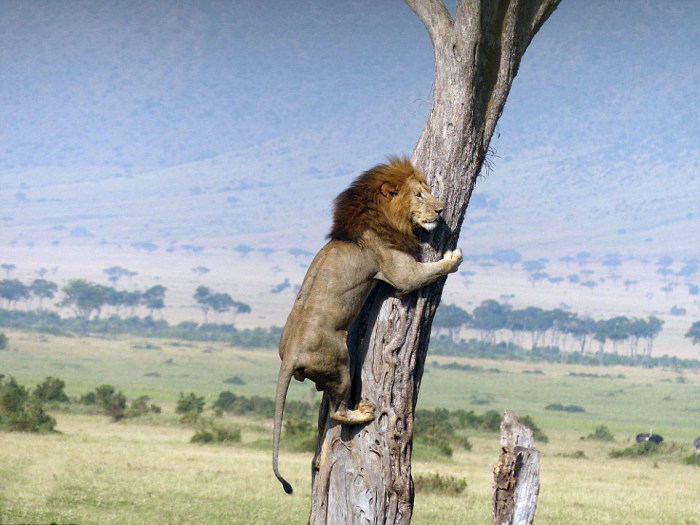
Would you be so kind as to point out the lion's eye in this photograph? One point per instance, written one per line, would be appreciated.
(420, 196)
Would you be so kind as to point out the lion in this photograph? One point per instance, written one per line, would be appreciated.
(373, 238)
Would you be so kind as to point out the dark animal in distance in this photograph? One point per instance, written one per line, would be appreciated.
(649, 437)
(697, 444)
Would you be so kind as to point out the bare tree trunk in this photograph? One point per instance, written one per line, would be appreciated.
(362, 474)
(516, 478)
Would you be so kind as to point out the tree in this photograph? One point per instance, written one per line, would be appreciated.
(43, 289)
(364, 473)
(154, 298)
(654, 327)
(12, 290)
(8, 268)
(203, 296)
(84, 299)
(451, 317)
(489, 317)
(693, 333)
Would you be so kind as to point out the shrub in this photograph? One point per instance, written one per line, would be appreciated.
(299, 435)
(436, 484)
(107, 400)
(140, 407)
(693, 459)
(20, 412)
(562, 408)
(51, 390)
(211, 433)
(235, 380)
(3, 342)
(645, 448)
(491, 421)
(601, 433)
(190, 407)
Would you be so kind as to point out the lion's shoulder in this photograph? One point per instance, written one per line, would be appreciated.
(365, 206)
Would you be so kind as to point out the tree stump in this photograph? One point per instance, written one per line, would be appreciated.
(516, 483)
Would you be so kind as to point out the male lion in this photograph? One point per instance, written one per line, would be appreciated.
(373, 238)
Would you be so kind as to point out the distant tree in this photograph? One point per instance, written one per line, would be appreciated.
(8, 268)
(451, 318)
(243, 249)
(654, 327)
(203, 297)
(507, 256)
(693, 333)
(612, 260)
(637, 330)
(12, 291)
(534, 266)
(219, 302)
(43, 289)
(617, 329)
(200, 270)
(488, 318)
(239, 307)
(117, 272)
(3, 341)
(129, 300)
(154, 298)
(85, 299)
(581, 329)
(537, 322)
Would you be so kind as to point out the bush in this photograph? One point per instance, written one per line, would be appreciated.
(211, 433)
(51, 390)
(693, 459)
(436, 484)
(190, 407)
(140, 407)
(492, 421)
(601, 433)
(114, 404)
(3, 342)
(645, 448)
(299, 435)
(562, 408)
(20, 412)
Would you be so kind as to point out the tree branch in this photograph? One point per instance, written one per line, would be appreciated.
(435, 17)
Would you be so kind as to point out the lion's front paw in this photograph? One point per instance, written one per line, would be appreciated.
(454, 258)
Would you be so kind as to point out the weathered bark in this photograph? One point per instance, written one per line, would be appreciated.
(362, 474)
(516, 478)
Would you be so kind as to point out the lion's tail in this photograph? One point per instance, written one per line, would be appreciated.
(285, 376)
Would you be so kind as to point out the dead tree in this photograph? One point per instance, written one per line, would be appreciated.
(516, 478)
(362, 474)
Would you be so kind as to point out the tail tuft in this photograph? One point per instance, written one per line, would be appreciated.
(287, 487)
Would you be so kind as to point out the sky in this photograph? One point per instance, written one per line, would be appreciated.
(600, 133)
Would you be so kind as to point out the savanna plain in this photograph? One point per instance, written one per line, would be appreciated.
(146, 469)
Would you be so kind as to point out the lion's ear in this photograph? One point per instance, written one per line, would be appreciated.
(389, 190)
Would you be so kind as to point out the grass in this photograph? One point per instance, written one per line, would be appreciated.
(147, 471)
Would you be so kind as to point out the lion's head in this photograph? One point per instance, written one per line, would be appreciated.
(391, 200)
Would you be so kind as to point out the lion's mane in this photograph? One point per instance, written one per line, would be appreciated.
(378, 201)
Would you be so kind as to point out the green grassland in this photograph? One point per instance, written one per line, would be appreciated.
(145, 470)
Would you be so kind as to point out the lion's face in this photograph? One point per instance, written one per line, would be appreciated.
(416, 205)
(424, 208)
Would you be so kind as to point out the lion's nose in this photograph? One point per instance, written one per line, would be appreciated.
(438, 208)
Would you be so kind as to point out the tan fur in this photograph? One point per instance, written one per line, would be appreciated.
(373, 239)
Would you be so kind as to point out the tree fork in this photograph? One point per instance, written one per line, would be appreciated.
(362, 474)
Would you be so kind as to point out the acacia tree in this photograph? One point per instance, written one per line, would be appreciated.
(363, 473)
